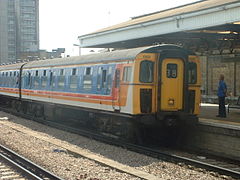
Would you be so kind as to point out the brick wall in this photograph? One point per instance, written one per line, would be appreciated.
(238, 78)
(213, 66)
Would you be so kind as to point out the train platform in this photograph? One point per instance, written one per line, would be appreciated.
(209, 111)
(214, 135)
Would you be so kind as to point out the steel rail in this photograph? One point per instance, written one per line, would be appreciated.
(27, 168)
(149, 151)
(152, 152)
(23, 171)
(188, 161)
(144, 150)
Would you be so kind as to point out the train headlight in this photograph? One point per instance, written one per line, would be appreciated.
(171, 102)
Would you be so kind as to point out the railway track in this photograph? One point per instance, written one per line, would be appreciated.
(16, 167)
(209, 164)
(6, 172)
(222, 167)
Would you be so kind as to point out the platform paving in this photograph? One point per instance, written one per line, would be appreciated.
(209, 111)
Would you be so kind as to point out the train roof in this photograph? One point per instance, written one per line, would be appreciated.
(120, 55)
(128, 54)
(11, 66)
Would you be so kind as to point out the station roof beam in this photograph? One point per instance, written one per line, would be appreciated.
(203, 22)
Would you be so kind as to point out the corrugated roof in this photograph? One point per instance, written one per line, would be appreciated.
(202, 5)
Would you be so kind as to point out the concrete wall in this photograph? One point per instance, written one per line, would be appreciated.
(238, 78)
(214, 139)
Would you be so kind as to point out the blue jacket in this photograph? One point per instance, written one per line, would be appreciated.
(222, 89)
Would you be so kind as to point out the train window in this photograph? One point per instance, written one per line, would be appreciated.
(16, 79)
(61, 80)
(29, 79)
(146, 71)
(88, 71)
(36, 79)
(127, 72)
(44, 79)
(117, 78)
(5, 78)
(87, 79)
(104, 78)
(61, 72)
(2, 79)
(36, 82)
(10, 79)
(192, 73)
(109, 79)
(74, 72)
(99, 78)
(110, 70)
(52, 79)
(73, 82)
(44, 72)
(74, 79)
(172, 70)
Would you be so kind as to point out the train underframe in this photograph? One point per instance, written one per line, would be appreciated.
(137, 129)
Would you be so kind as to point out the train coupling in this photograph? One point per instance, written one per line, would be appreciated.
(170, 121)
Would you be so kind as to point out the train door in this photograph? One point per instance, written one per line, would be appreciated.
(51, 80)
(172, 84)
(102, 81)
(116, 91)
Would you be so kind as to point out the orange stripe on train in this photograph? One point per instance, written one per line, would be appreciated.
(69, 98)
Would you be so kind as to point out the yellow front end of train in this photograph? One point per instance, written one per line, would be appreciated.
(166, 88)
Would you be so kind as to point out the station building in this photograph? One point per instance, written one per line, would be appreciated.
(209, 28)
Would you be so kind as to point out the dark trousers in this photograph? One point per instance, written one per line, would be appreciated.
(222, 108)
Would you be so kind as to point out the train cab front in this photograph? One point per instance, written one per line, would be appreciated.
(166, 87)
(179, 91)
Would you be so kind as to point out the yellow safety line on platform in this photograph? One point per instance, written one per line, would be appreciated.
(88, 155)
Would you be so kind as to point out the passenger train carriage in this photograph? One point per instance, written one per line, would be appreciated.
(116, 92)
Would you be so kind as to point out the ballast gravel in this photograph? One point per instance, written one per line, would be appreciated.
(67, 166)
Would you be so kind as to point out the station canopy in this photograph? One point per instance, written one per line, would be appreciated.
(203, 25)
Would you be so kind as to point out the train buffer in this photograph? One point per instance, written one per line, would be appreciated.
(234, 106)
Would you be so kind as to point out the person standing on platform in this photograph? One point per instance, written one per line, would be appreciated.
(222, 91)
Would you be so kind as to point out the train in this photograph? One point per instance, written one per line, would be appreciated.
(120, 93)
